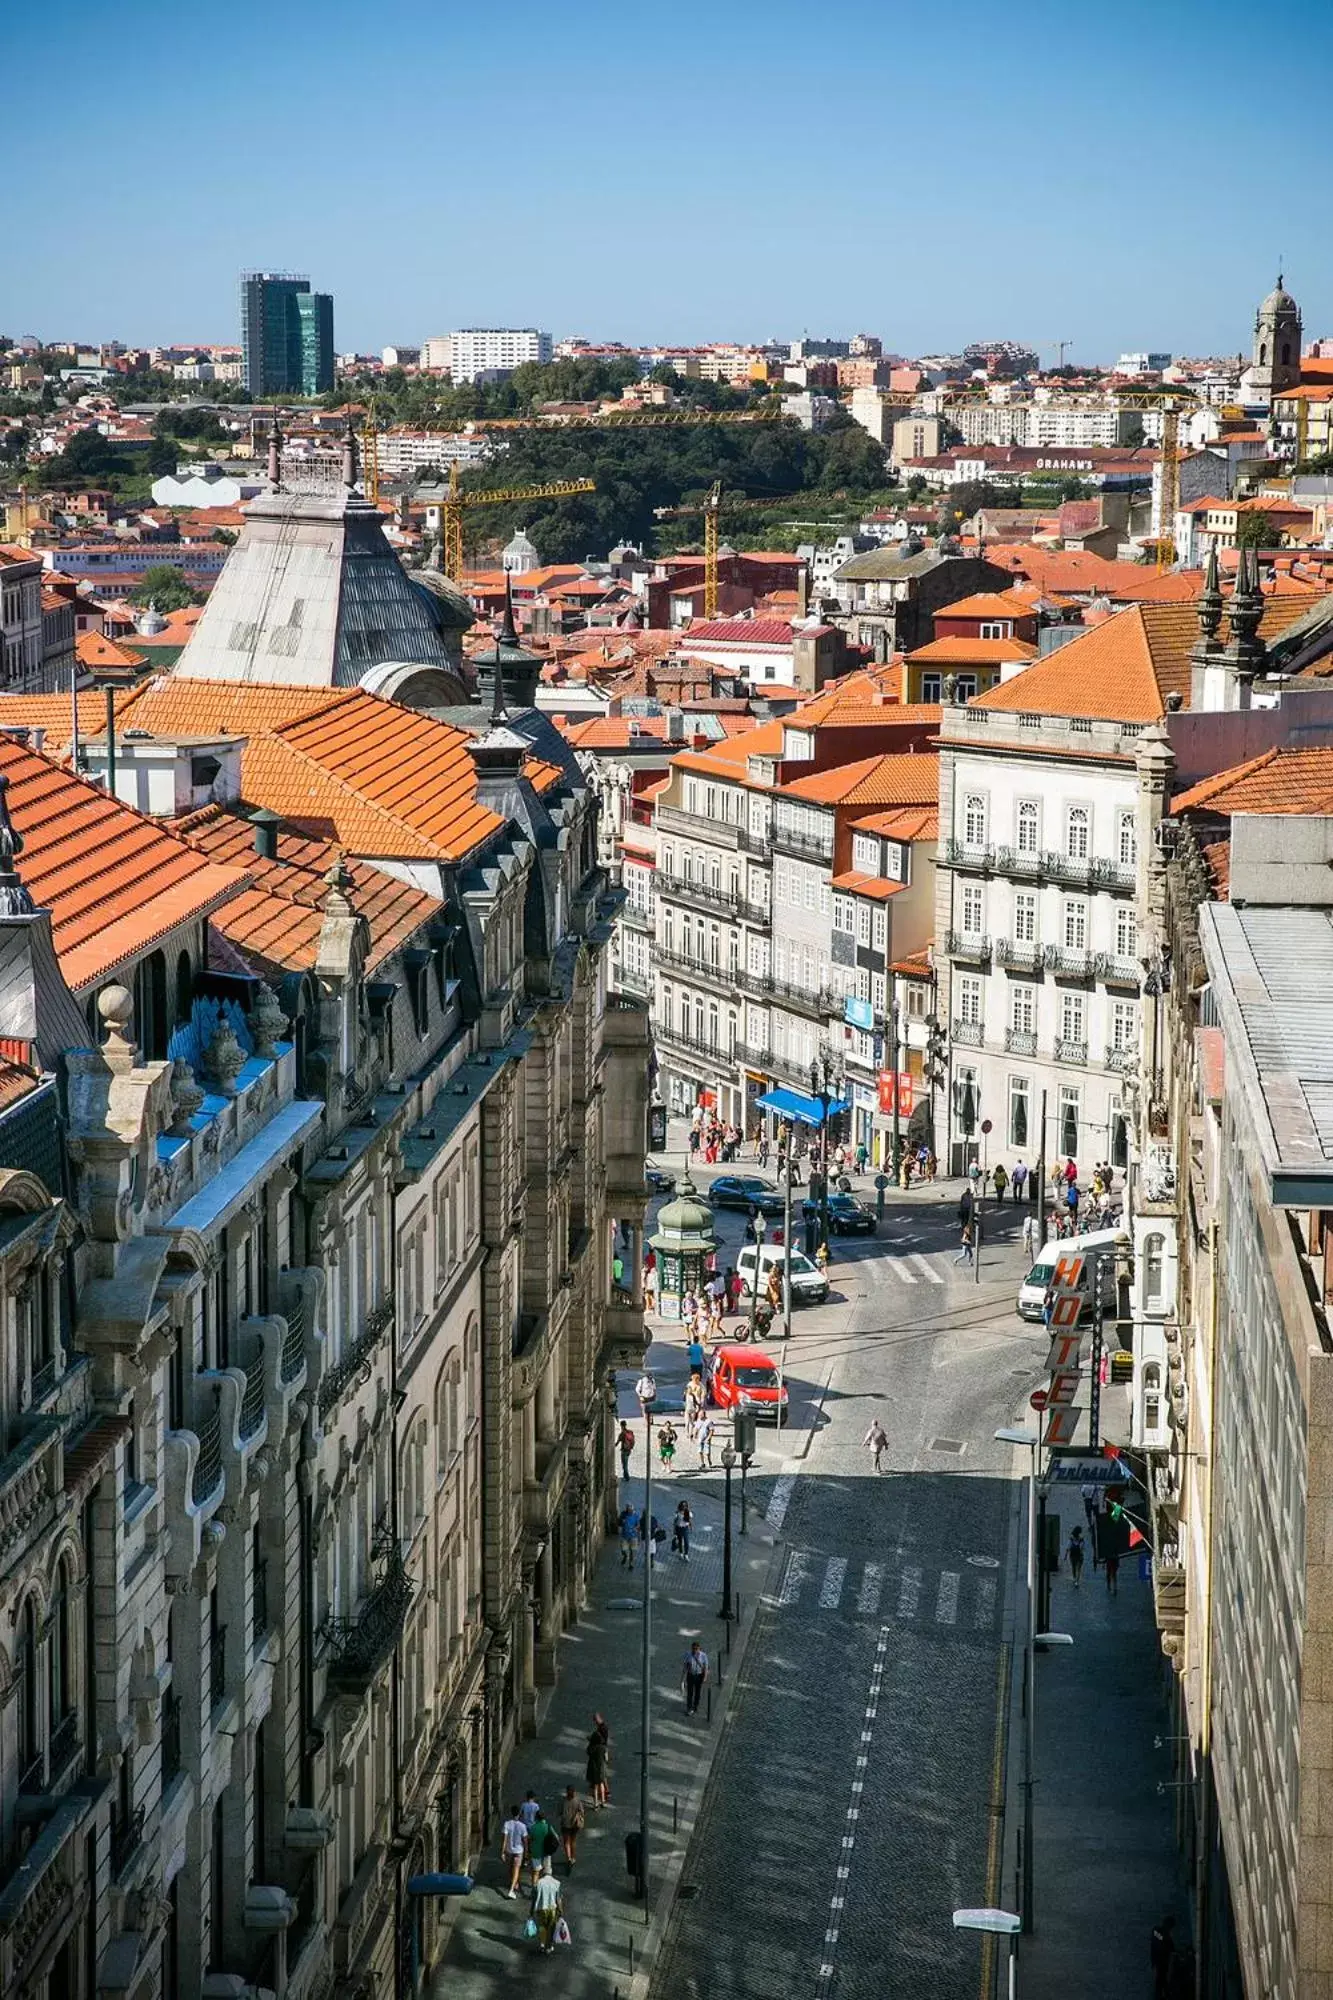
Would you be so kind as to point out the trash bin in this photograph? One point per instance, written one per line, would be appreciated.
(634, 1858)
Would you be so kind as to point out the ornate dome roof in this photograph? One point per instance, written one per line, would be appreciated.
(1279, 300)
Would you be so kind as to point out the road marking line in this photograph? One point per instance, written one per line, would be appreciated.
(946, 1604)
(779, 1500)
(928, 1271)
(795, 1574)
(909, 1593)
(985, 1611)
(993, 1844)
(900, 1270)
(837, 1901)
(872, 1582)
(831, 1592)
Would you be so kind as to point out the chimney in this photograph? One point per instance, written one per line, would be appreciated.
(267, 826)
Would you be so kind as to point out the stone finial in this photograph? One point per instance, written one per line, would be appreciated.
(268, 1023)
(15, 900)
(224, 1057)
(186, 1098)
(351, 469)
(338, 902)
(115, 1007)
(275, 455)
(1209, 607)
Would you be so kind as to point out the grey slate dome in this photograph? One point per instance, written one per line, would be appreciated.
(519, 671)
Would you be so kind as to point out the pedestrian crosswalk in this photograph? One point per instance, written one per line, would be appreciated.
(884, 1266)
(948, 1597)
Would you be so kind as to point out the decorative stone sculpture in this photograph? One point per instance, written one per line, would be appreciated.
(186, 1098)
(268, 1023)
(225, 1057)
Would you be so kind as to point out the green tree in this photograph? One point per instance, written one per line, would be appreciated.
(1256, 531)
(89, 459)
(1134, 434)
(164, 587)
(161, 459)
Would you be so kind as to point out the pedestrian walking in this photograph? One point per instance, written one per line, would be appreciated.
(1031, 1235)
(650, 1288)
(572, 1820)
(666, 1443)
(1020, 1180)
(680, 1530)
(693, 1674)
(694, 1404)
(513, 1849)
(1161, 1953)
(1087, 1493)
(876, 1440)
(530, 1810)
(704, 1440)
(625, 1441)
(1075, 1553)
(694, 1355)
(1113, 1576)
(965, 1205)
(597, 1769)
(547, 1912)
(1000, 1180)
(628, 1523)
(543, 1846)
(965, 1254)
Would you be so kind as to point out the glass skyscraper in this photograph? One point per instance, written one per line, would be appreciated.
(286, 335)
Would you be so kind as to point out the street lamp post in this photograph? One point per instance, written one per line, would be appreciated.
(728, 1461)
(821, 1086)
(758, 1230)
(1015, 1434)
(646, 1389)
(896, 1168)
(994, 1923)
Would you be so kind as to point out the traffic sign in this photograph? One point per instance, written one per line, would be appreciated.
(1038, 1399)
(986, 1125)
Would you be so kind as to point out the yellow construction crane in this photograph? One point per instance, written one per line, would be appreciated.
(455, 501)
(712, 506)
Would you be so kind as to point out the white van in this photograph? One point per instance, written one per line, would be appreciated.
(1032, 1291)
(809, 1285)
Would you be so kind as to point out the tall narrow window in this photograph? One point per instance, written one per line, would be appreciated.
(974, 819)
(1078, 832)
(1018, 1110)
(1126, 840)
(1069, 1107)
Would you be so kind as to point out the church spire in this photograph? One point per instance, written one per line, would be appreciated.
(1210, 597)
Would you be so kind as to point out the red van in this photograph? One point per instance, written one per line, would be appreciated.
(744, 1378)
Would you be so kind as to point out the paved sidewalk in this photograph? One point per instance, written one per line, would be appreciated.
(599, 1667)
(1107, 1865)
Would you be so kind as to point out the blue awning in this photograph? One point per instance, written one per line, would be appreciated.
(794, 1104)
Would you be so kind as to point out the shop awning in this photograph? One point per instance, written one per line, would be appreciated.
(796, 1105)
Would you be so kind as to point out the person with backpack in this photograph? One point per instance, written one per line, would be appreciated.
(625, 1442)
(628, 1524)
(1000, 1181)
(680, 1530)
(543, 1846)
(1076, 1552)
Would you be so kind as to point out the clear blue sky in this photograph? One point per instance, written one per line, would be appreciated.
(1115, 176)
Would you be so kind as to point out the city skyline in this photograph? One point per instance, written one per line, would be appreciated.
(872, 181)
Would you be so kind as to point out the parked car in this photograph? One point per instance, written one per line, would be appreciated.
(659, 1180)
(745, 1191)
(809, 1285)
(849, 1217)
(1094, 1242)
(744, 1378)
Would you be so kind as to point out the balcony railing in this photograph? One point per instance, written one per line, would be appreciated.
(635, 917)
(1020, 1041)
(359, 1646)
(126, 1839)
(252, 1402)
(792, 840)
(293, 1341)
(969, 945)
(217, 1664)
(1075, 869)
(355, 1365)
(700, 892)
(1072, 963)
(1121, 1059)
(1021, 861)
(752, 1056)
(1071, 1052)
(968, 1034)
(711, 973)
(1018, 955)
(696, 826)
(817, 1002)
(694, 1045)
(758, 844)
(1117, 971)
(208, 1465)
(967, 854)
(630, 981)
(1114, 875)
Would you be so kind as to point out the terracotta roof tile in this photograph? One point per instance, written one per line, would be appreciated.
(902, 823)
(1280, 781)
(16, 1080)
(973, 652)
(856, 882)
(896, 779)
(1118, 671)
(737, 632)
(988, 604)
(114, 881)
(96, 654)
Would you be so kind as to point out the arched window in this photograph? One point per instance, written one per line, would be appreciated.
(1028, 827)
(1152, 1395)
(1263, 353)
(1286, 354)
(59, 1698)
(1154, 1248)
(1077, 832)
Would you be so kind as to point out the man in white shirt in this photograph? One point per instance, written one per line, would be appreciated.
(693, 1674)
(877, 1440)
(513, 1847)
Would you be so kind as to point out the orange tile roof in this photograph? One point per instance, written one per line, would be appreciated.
(902, 823)
(16, 1080)
(52, 713)
(114, 881)
(1279, 781)
(916, 965)
(987, 604)
(856, 882)
(276, 922)
(96, 654)
(614, 732)
(895, 779)
(973, 652)
(729, 759)
(1107, 674)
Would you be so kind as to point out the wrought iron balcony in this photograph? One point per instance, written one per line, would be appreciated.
(791, 840)
(968, 945)
(1071, 1052)
(1018, 955)
(1114, 875)
(1117, 971)
(694, 1045)
(710, 972)
(758, 844)
(635, 917)
(252, 1402)
(818, 1002)
(753, 1056)
(692, 892)
(967, 854)
(1020, 1041)
(293, 1342)
(1024, 862)
(208, 1465)
(359, 1646)
(355, 1365)
(629, 980)
(968, 1034)
(1069, 962)
(1075, 869)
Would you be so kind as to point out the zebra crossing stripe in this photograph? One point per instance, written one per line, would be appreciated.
(909, 1593)
(984, 1614)
(797, 1570)
(899, 1268)
(831, 1593)
(928, 1270)
(946, 1604)
(872, 1582)
(779, 1500)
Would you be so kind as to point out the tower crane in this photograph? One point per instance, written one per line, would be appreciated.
(712, 505)
(455, 502)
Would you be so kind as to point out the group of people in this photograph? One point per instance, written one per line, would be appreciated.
(636, 1525)
(712, 1140)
